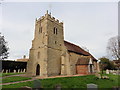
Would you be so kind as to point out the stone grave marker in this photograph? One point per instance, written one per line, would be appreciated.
(21, 71)
(98, 75)
(6, 71)
(2, 70)
(18, 70)
(9, 70)
(14, 71)
(24, 70)
(36, 84)
(107, 71)
(92, 87)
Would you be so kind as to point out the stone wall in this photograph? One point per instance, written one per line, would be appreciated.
(54, 62)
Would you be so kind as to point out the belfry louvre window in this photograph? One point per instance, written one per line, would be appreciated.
(38, 55)
(55, 30)
(40, 30)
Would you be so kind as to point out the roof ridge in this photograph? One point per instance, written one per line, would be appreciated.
(77, 49)
(76, 45)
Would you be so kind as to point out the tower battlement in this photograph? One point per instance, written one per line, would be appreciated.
(49, 17)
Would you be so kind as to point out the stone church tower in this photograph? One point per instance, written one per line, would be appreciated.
(45, 54)
(51, 55)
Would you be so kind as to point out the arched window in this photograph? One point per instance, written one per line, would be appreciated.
(38, 55)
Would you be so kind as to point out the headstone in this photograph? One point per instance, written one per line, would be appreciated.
(114, 73)
(36, 84)
(110, 71)
(21, 70)
(118, 72)
(107, 71)
(14, 71)
(18, 70)
(105, 77)
(2, 70)
(6, 71)
(9, 70)
(92, 86)
(98, 75)
(24, 70)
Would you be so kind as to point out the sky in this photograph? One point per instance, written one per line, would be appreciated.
(87, 24)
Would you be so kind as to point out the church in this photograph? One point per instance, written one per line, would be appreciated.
(51, 55)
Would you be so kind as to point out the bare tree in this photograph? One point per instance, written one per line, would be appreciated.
(3, 48)
(113, 47)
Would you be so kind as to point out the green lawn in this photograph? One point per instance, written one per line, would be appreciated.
(14, 79)
(8, 74)
(72, 82)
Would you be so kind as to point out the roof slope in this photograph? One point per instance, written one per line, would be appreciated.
(76, 49)
(83, 61)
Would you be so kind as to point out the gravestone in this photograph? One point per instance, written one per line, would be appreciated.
(14, 71)
(18, 70)
(98, 75)
(21, 71)
(24, 70)
(92, 86)
(2, 70)
(114, 73)
(6, 71)
(118, 72)
(105, 77)
(9, 70)
(37, 84)
(107, 71)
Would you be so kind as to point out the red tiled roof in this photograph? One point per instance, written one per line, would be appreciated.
(76, 49)
(83, 61)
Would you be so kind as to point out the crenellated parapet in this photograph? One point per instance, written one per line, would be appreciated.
(49, 17)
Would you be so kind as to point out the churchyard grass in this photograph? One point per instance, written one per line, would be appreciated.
(72, 82)
(14, 79)
(8, 74)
